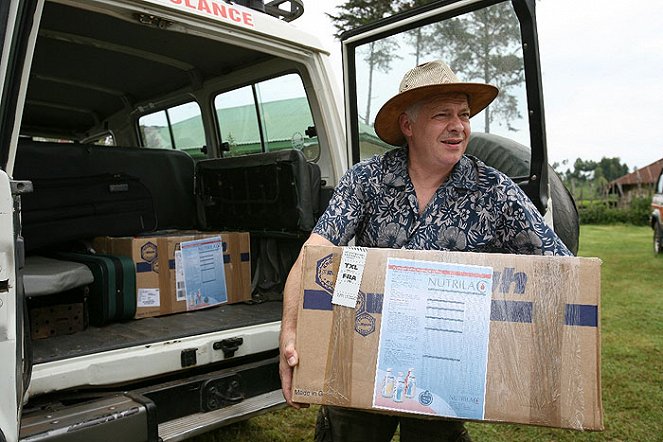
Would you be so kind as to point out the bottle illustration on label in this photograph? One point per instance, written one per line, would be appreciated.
(388, 385)
(410, 384)
(400, 388)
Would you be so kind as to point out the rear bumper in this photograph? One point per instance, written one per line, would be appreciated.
(170, 411)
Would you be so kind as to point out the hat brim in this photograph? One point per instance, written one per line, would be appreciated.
(386, 121)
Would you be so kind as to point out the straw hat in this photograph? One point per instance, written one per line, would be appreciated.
(426, 80)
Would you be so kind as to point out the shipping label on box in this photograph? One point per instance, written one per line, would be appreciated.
(436, 319)
(416, 314)
(237, 262)
(203, 272)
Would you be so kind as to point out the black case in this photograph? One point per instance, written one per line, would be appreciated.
(63, 209)
(274, 191)
(112, 295)
(166, 173)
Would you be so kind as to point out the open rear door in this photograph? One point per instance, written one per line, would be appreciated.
(487, 41)
(18, 23)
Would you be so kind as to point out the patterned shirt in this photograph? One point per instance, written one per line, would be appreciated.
(477, 209)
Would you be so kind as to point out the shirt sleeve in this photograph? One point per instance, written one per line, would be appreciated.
(522, 229)
(345, 211)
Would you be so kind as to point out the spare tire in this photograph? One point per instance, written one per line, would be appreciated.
(513, 159)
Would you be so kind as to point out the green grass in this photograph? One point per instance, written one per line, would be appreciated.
(632, 359)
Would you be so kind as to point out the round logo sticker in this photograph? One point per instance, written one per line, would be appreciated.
(425, 398)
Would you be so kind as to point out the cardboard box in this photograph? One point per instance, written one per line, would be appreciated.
(57, 320)
(144, 252)
(236, 261)
(492, 337)
(159, 291)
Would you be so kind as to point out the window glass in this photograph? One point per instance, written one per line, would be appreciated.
(103, 140)
(238, 121)
(154, 130)
(482, 46)
(179, 127)
(187, 124)
(660, 184)
(267, 116)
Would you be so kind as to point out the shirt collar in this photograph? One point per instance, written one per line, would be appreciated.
(463, 175)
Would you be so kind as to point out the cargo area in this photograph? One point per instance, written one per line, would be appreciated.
(102, 166)
(146, 331)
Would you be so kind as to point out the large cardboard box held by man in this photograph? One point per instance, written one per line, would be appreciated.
(485, 337)
(159, 290)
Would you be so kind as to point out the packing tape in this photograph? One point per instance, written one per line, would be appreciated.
(549, 313)
(338, 372)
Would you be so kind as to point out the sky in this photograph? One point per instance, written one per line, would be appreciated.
(602, 66)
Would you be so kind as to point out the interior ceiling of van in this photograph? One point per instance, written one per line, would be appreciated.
(88, 66)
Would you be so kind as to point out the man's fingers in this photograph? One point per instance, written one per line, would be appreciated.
(285, 371)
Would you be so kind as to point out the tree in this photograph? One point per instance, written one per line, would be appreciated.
(612, 168)
(355, 13)
(423, 37)
(485, 46)
(481, 46)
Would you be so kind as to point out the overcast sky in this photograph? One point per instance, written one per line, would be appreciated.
(602, 64)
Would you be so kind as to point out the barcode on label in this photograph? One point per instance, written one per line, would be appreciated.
(180, 291)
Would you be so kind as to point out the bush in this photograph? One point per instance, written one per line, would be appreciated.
(600, 212)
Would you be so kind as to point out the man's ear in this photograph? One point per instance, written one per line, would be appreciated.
(405, 124)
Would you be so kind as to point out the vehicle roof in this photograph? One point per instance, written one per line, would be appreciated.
(88, 66)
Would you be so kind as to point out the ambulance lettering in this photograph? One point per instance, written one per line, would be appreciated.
(217, 9)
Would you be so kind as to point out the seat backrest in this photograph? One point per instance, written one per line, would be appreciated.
(274, 191)
(167, 175)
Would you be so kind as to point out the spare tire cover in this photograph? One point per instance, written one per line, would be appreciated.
(513, 159)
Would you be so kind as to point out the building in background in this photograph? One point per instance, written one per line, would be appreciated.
(639, 183)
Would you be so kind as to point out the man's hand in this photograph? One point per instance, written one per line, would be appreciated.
(291, 299)
(287, 362)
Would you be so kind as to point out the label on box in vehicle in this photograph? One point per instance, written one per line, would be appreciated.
(180, 287)
(433, 348)
(203, 272)
(148, 298)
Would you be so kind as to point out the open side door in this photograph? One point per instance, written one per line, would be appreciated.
(491, 41)
(18, 26)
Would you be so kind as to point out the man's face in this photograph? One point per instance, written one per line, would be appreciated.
(440, 131)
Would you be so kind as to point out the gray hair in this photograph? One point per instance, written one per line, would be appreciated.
(412, 111)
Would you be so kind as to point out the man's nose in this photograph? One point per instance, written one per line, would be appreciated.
(456, 124)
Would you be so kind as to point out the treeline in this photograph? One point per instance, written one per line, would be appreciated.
(588, 181)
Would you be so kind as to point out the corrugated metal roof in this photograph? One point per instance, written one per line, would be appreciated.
(646, 175)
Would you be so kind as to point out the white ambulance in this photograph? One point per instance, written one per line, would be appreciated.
(155, 118)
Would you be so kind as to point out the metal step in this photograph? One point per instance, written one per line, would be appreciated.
(193, 425)
(107, 419)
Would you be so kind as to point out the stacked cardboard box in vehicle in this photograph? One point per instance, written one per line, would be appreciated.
(486, 337)
(159, 260)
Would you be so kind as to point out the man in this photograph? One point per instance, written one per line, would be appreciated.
(427, 195)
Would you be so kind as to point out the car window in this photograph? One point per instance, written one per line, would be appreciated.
(480, 46)
(179, 127)
(267, 116)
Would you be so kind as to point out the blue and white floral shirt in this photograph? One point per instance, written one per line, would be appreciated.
(477, 209)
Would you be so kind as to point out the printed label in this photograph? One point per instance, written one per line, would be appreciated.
(350, 272)
(433, 348)
(148, 298)
(204, 276)
(180, 287)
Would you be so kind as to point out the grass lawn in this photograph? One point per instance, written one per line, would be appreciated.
(632, 355)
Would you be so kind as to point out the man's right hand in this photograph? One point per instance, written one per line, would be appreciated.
(291, 298)
(287, 362)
